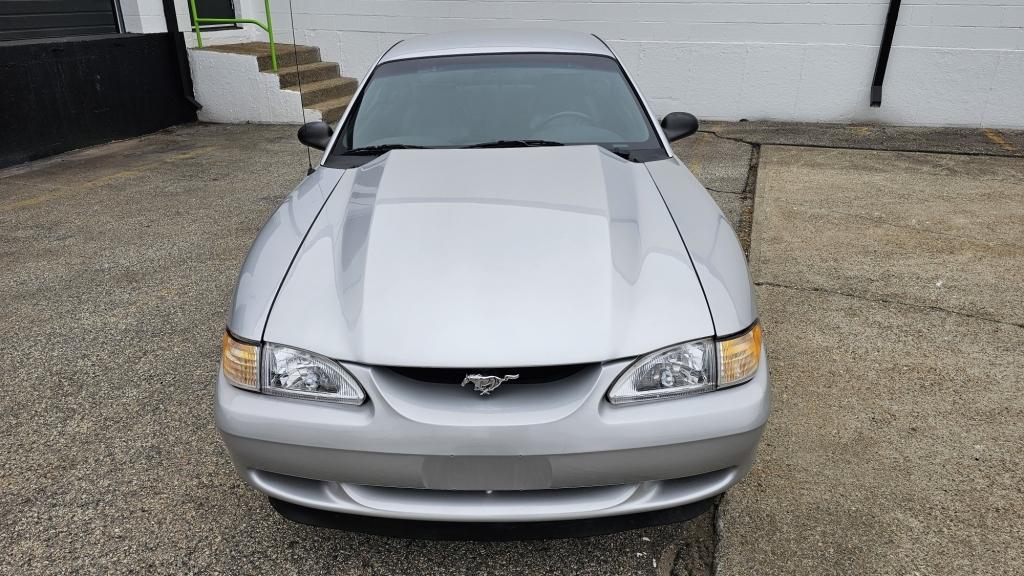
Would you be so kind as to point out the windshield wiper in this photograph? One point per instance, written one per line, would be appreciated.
(373, 150)
(515, 144)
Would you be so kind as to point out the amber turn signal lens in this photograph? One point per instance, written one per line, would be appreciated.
(241, 363)
(738, 357)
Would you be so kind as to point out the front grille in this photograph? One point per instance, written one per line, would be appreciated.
(528, 375)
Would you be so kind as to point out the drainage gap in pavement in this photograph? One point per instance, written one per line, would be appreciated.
(749, 191)
(695, 551)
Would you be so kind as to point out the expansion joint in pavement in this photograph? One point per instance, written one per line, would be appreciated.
(733, 192)
(750, 190)
(716, 534)
(890, 301)
(1010, 153)
(755, 160)
(694, 552)
(729, 138)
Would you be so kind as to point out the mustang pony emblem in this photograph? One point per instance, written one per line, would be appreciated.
(486, 384)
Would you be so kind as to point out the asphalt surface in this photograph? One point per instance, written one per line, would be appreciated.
(119, 262)
(887, 284)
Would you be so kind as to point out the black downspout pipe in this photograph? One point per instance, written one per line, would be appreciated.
(883, 52)
(171, 17)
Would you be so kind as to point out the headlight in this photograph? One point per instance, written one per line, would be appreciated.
(240, 363)
(690, 368)
(301, 374)
(675, 371)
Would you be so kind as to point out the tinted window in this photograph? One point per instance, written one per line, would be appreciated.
(460, 101)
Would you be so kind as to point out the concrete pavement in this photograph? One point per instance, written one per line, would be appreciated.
(890, 291)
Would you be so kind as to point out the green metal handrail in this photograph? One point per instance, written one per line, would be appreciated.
(268, 27)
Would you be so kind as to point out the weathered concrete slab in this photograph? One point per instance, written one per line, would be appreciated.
(723, 167)
(894, 442)
(930, 229)
(719, 164)
(893, 446)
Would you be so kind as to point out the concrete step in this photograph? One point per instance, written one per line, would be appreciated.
(287, 55)
(309, 73)
(323, 87)
(331, 110)
(330, 89)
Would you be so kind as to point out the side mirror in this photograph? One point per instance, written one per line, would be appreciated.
(316, 135)
(679, 125)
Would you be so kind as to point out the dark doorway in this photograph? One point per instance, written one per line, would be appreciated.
(215, 9)
(28, 19)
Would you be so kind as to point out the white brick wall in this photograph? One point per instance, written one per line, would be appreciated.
(954, 62)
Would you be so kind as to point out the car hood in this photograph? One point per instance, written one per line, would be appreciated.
(491, 258)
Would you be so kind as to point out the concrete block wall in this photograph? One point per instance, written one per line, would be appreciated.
(143, 16)
(954, 62)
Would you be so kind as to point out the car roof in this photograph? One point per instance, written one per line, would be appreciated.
(491, 41)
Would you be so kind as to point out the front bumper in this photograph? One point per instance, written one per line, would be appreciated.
(532, 452)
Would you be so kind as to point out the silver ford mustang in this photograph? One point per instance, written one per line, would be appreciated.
(500, 299)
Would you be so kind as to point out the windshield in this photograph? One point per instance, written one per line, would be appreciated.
(498, 100)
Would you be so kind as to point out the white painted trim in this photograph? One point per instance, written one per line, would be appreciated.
(232, 89)
(142, 16)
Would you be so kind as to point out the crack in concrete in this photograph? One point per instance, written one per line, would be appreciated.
(749, 189)
(717, 135)
(668, 559)
(849, 146)
(694, 552)
(880, 222)
(891, 301)
(755, 161)
(734, 193)
(874, 220)
(716, 535)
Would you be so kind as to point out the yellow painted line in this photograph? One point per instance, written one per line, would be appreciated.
(27, 202)
(144, 167)
(997, 137)
(93, 184)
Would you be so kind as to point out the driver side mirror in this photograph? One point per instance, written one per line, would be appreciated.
(316, 135)
(679, 125)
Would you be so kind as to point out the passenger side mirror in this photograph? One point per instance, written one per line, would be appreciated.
(316, 135)
(679, 125)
